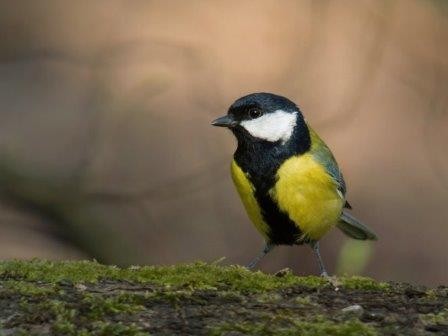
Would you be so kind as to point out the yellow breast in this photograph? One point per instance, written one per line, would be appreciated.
(246, 191)
(306, 192)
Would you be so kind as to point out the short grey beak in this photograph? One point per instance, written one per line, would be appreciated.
(225, 121)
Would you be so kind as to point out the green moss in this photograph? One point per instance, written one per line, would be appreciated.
(320, 326)
(49, 271)
(357, 282)
(198, 276)
(304, 301)
(437, 318)
(431, 294)
(96, 306)
(27, 288)
(87, 298)
(99, 328)
(269, 297)
(102, 328)
(92, 312)
(63, 327)
(33, 312)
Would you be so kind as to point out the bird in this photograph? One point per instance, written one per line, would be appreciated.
(286, 176)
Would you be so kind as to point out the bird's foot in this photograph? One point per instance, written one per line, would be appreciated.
(252, 264)
(334, 281)
(331, 279)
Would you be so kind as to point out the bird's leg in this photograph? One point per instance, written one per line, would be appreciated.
(315, 246)
(267, 248)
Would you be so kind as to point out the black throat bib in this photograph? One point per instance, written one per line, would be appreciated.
(260, 160)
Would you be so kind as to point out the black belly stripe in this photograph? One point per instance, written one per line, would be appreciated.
(283, 230)
(260, 162)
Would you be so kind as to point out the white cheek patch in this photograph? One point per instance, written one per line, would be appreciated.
(275, 126)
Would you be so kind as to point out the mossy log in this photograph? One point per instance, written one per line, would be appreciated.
(87, 298)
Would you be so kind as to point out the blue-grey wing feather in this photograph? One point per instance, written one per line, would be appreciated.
(323, 155)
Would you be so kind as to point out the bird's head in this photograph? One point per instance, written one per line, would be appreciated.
(262, 117)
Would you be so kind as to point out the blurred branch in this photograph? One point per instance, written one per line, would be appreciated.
(60, 204)
(47, 200)
(37, 55)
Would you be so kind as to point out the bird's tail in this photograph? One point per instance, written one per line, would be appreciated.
(354, 228)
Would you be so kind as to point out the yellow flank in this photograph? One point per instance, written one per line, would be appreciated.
(306, 192)
(246, 192)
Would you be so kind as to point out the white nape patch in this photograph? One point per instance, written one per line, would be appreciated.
(273, 127)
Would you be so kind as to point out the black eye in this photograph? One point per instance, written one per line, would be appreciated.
(255, 113)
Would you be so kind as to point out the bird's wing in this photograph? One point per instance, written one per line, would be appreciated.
(323, 155)
(347, 223)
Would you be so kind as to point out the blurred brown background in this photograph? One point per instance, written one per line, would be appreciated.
(106, 148)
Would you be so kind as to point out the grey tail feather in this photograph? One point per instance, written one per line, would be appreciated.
(354, 228)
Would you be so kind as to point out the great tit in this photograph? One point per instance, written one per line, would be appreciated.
(286, 176)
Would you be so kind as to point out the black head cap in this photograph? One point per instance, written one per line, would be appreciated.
(262, 102)
(266, 118)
